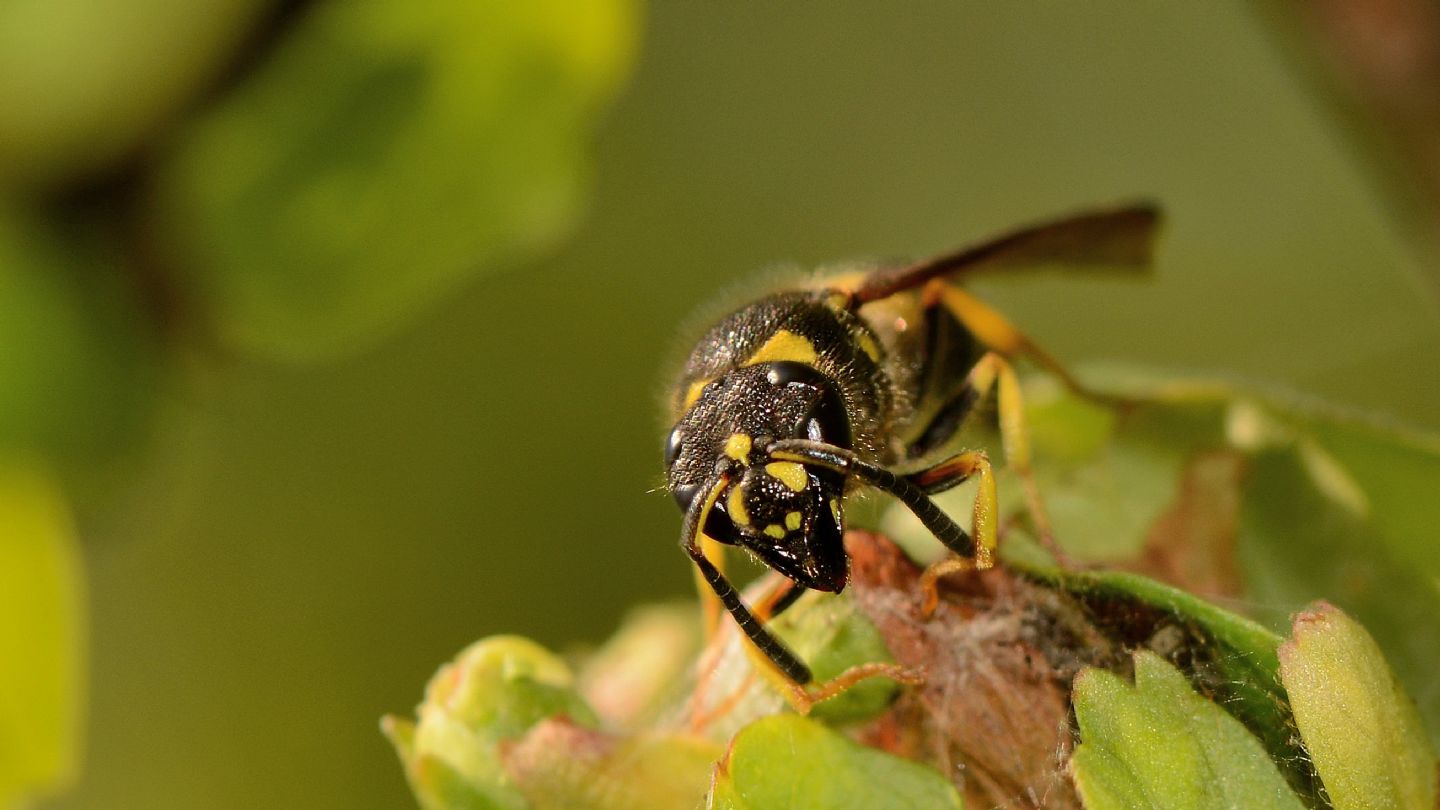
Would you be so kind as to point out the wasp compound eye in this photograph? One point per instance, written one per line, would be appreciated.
(673, 446)
(826, 419)
(684, 495)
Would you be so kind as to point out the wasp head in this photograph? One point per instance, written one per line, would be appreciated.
(787, 514)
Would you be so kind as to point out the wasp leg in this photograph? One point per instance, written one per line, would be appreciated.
(804, 698)
(1015, 437)
(711, 611)
(771, 657)
(901, 488)
(710, 604)
(995, 331)
(785, 661)
(801, 697)
(779, 600)
(950, 473)
(914, 491)
(992, 372)
(773, 604)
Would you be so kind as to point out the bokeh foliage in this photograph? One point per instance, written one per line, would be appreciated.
(297, 548)
(42, 631)
(191, 182)
(379, 156)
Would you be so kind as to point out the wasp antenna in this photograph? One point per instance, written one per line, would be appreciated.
(786, 661)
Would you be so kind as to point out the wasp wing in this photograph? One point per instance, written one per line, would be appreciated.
(1117, 238)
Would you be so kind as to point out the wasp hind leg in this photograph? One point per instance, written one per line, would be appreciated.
(999, 335)
(994, 372)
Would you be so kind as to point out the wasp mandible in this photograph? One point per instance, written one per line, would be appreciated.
(863, 380)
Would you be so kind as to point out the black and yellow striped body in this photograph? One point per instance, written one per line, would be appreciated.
(863, 380)
(897, 364)
(807, 364)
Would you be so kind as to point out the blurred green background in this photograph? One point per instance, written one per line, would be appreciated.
(312, 449)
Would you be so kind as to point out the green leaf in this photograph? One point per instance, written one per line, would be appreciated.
(1359, 727)
(85, 81)
(1231, 657)
(1396, 469)
(76, 374)
(42, 632)
(502, 728)
(495, 691)
(1159, 744)
(787, 761)
(1300, 542)
(562, 767)
(1106, 481)
(384, 153)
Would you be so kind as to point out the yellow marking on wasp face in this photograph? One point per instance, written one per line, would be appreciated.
(785, 345)
(738, 447)
(693, 392)
(835, 509)
(776, 531)
(867, 345)
(789, 473)
(735, 507)
(792, 521)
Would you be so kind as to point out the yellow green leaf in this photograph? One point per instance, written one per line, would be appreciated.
(382, 153)
(1359, 727)
(1159, 744)
(84, 81)
(788, 761)
(41, 636)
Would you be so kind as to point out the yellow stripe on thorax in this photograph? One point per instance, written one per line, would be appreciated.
(693, 393)
(785, 345)
(867, 345)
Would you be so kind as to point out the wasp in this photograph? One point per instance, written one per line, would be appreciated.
(793, 402)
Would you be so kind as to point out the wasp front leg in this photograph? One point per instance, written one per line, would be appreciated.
(768, 654)
(993, 373)
(945, 475)
(801, 695)
(914, 495)
(972, 552)
(777, 653)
